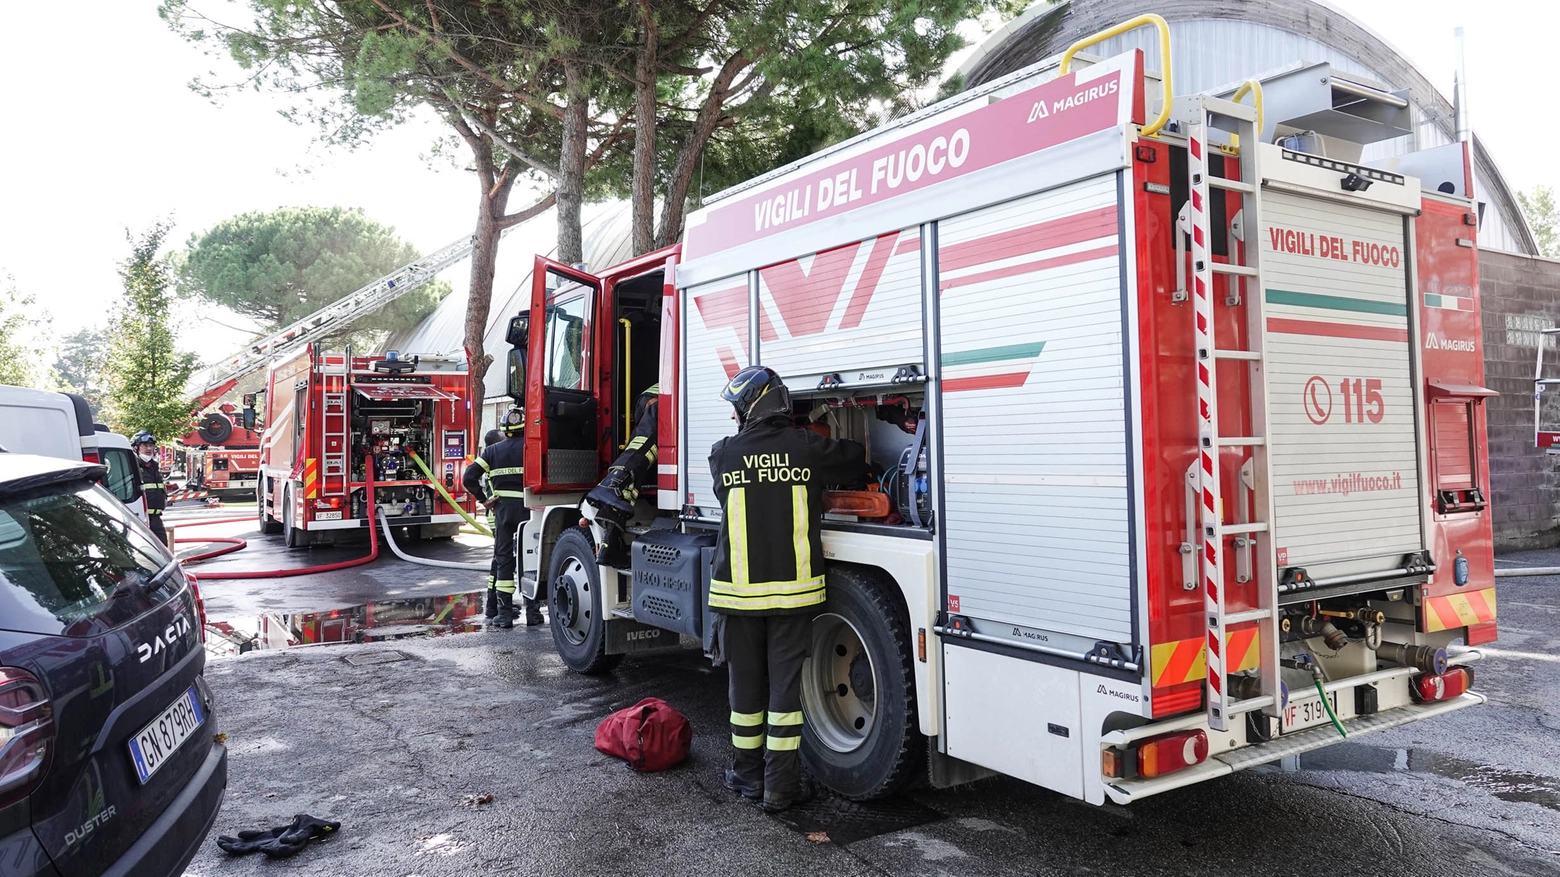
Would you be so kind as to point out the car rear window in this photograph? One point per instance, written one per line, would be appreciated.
(74, 561)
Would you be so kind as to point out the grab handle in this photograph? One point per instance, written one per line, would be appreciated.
(1164, 55)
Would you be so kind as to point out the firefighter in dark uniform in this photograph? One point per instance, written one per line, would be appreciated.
(149, 476)
(768, 577)
(490, 608)
(614, 498)
(503, 467)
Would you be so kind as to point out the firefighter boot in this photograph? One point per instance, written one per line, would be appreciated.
(505, 619)
(614, 548)
(533, 612)
(490, 607)
(746, 774)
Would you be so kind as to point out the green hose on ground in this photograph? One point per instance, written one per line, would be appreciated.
(446, 494)
(1327, 705)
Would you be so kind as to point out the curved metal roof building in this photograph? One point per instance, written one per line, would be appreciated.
(1215, 44)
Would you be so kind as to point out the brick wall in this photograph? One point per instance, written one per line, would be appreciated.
(1520, 296)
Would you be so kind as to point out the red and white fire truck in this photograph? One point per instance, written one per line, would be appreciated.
(222, 453)
(327, 414)
(1179, 404)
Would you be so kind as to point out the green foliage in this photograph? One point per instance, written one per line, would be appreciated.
(18, 322)
(79, 363)
(1543, 216)
(278, 266)
(146, 372)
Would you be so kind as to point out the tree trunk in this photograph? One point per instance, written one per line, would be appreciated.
(704, 124)
(571, 168)
(484, 263)
(644, 135)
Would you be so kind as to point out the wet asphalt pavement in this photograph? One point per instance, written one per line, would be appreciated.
(399, 740)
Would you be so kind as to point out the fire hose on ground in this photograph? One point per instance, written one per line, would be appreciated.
(384, 522)
(373, 549)
(1528, 571)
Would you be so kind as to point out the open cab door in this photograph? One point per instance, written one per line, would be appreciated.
(562, 392)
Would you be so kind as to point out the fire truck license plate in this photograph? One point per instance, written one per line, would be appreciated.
(327, 516)
(1302, 714)
(154, 744)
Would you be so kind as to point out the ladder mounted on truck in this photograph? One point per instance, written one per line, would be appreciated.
(349, 307)
(1201, 116)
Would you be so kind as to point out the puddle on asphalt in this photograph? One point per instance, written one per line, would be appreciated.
(380, 621)
(1508, 785)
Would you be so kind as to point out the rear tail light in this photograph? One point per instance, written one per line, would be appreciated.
(1432, 687)
(90, 457)
(1156, 756)
(26, 734)
(200, 604)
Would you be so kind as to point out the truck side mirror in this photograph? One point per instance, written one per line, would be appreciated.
(249, 418)
(519, 331)
(516, 381)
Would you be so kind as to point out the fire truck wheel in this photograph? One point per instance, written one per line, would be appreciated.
(579, 627)
(295, 537)
(268, 527)
(861, 736)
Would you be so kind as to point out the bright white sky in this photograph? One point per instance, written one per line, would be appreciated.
(104, 135)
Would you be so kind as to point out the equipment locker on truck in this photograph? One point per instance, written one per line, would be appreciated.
(1183, 449)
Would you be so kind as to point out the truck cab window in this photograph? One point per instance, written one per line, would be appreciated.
(567, 331)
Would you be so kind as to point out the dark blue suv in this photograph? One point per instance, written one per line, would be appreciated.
(109, 762)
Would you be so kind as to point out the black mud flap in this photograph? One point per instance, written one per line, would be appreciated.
(626, 636)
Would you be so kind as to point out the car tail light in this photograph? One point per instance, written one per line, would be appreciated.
(1158, 756)
(1431, 687)
(200, 605)
(90, 457)
(26, 734)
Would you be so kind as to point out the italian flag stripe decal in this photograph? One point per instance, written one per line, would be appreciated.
(1007, 378)
(1335, 302)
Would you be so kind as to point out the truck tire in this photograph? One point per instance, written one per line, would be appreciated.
(293, 536)
(268, 526)
(579, 627)
(861, 737)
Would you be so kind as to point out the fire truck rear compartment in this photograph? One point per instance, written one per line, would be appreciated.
(390, 431)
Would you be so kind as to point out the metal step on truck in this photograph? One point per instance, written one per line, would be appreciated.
(1178, 402)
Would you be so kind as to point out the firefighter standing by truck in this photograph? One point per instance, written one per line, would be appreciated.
(614, 498)
(490, 606)
(503, 467)
(149, 478)
(768, 576)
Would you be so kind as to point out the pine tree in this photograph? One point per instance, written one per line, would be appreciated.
(146, 372)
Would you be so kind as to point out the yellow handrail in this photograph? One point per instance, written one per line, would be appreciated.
(1255, 88)
(628, 380)
(1164, 59)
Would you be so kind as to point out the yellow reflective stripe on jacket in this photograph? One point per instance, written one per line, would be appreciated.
(486, 466)
(765, 589)
(736, 534)
(799, 541)
(154, 511)
(510, 470)
(509, 494)
(755, 604)
(152, 485)
(792, 718)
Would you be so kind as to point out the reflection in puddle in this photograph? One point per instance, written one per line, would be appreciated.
(380, 621)
(1508, 785)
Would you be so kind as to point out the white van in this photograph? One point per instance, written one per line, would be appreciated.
(114, 451)
(48, 424)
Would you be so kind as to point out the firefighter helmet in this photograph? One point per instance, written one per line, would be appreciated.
(757, 392)
(143, 438)
(514, 421)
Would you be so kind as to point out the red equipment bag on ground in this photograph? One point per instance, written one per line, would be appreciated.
(649, 735)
